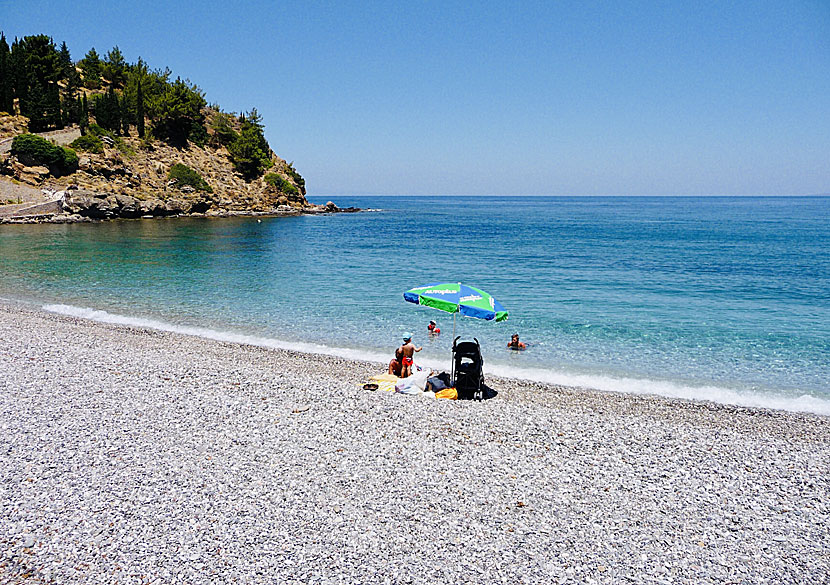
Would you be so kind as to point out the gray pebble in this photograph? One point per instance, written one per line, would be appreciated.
(137, 456)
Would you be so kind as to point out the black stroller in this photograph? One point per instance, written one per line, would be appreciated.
(467, 368)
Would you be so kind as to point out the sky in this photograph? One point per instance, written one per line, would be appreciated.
(497, 98)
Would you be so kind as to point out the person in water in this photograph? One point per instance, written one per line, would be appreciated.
(515, 343)
(408, 349)
(397, 363)
(433, 328)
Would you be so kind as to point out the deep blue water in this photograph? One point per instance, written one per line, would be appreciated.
(723, 298)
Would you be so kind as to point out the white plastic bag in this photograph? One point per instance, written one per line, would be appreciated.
(415, 383)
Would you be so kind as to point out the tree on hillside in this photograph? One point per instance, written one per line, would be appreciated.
(177, 113)
(91, 69)
(70, 104)
(68, 72)
(65, 60)
(126, 115)
(17, 69)
(6, 87)
(83, 122)
(156, 83)
(223, 132)
(114, 67)
(139, 108)
(37, 82)
(250, 153)
(108, 110)
(134, 100)
(71, 109)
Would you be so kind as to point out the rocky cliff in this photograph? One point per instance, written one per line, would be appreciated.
(130, 178)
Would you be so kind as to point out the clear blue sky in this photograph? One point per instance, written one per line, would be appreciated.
(570, 98)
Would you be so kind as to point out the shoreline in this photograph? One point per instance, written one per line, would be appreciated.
(138, 454)
(64, 217)
(532, 391)
(642, 387)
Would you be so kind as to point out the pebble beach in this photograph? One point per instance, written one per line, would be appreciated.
(131, 455)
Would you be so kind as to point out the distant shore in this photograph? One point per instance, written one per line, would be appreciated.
(138, 455)
(80, 206)
(70, 218)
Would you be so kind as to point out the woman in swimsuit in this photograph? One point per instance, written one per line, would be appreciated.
(396, 364)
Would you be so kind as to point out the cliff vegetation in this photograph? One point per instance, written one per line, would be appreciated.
(102, 127)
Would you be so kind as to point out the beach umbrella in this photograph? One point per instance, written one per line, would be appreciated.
(457, 298)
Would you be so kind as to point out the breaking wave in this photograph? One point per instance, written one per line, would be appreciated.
(670, 389)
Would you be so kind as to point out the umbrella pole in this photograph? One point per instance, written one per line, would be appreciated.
(453, 326)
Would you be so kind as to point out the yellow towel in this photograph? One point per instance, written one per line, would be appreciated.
(385, 382)
(384, 378)
(386, 385)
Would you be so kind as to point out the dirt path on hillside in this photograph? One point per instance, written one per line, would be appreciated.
(60, 137)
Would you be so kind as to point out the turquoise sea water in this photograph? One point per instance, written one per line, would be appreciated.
(721, 298)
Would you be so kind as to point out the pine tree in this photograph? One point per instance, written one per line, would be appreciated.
(67, 67)
(6, 87)
(139, 106)
(177, 113)
(52, 115)
(114, 67)
(108, 111)
(115, 108)
(250, 152)
(125, 115)
(83, 120)
(17, 66)
(71, 108)
(36, 82)
(91, 68)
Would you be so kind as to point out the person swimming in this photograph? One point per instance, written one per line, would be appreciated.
(433, 329)
(514, 342)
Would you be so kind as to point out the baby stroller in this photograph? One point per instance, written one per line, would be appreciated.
(467, 368)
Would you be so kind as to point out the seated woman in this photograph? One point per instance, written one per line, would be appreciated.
(514, 343)
(396, 364)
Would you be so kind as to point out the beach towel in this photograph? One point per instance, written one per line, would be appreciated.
(384, 378)
(385, 382)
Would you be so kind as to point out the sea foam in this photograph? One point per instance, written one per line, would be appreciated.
(669, 389)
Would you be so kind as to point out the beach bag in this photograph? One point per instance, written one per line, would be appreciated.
(414, 384)
(448, 393)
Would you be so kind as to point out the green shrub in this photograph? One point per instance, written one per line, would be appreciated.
(123, 147)
(36, 150)
(69, 164)
(298, 179)
(281, 184)
(184, 175)
(120, 144)
(88, 143)
(96, 130)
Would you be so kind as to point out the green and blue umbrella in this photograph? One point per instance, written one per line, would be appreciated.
(453, 297)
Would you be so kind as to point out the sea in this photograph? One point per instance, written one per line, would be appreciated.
(724, 299)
